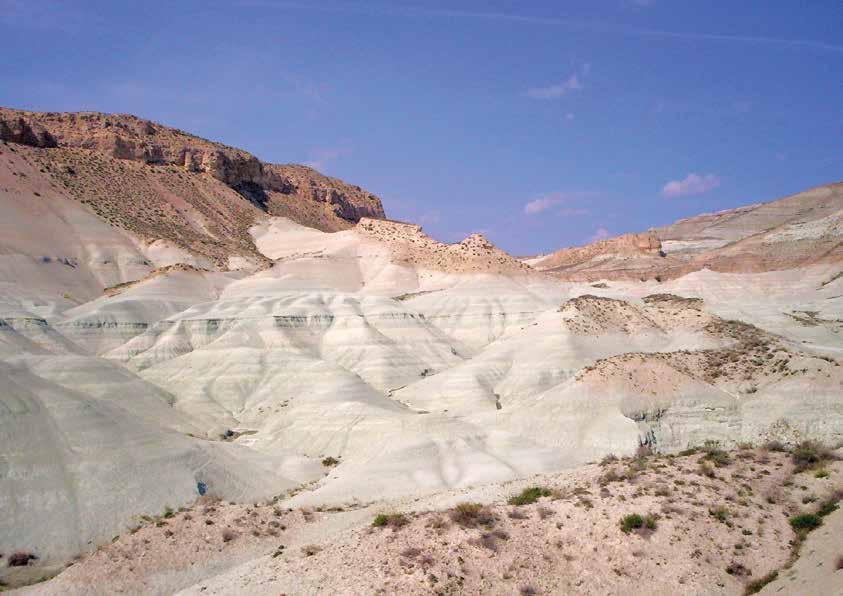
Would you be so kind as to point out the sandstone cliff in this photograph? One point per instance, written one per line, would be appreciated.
(160, 183)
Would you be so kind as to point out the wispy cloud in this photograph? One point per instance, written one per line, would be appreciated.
(431, 217)
(550, 200)
(322, 156)
(541, 204)
(574, 82)
(556, 91)
(572, 24)
(600, 233)
(692, 184)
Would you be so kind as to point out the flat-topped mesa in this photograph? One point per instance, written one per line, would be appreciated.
(645, 243)
(410, 245)
(605, 259)
(273, 188)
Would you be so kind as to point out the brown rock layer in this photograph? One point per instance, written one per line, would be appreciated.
(160, 183)
(127, 137)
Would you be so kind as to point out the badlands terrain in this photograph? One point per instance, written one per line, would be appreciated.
(224, 376)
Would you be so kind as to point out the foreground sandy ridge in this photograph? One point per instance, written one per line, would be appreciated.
(721, 522)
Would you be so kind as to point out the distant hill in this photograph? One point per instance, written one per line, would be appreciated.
(799, 230)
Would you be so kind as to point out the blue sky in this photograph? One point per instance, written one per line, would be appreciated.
(541, 124)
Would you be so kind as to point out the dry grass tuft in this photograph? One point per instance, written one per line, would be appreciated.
(472, 515)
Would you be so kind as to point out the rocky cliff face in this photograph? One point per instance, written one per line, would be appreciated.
(164, 185)
(295, 187)
(16, 129)
(127, 137)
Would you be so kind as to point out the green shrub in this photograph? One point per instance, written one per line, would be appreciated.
(828, 507)
(380, 520)
(330, 462)
(630, 522)
(392, 520)
(635, 521)
(805, 522)
(528, 496)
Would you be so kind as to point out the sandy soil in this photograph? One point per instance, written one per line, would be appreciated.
(717, 529)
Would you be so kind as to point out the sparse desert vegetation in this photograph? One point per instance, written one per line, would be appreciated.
(634, 521)
(390, 520)
(541, 534)
(530, 495)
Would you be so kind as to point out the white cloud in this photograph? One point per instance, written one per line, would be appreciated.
(542, 204)
(572, 83)
(692, 184)
(545, 202)
(600, 233)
